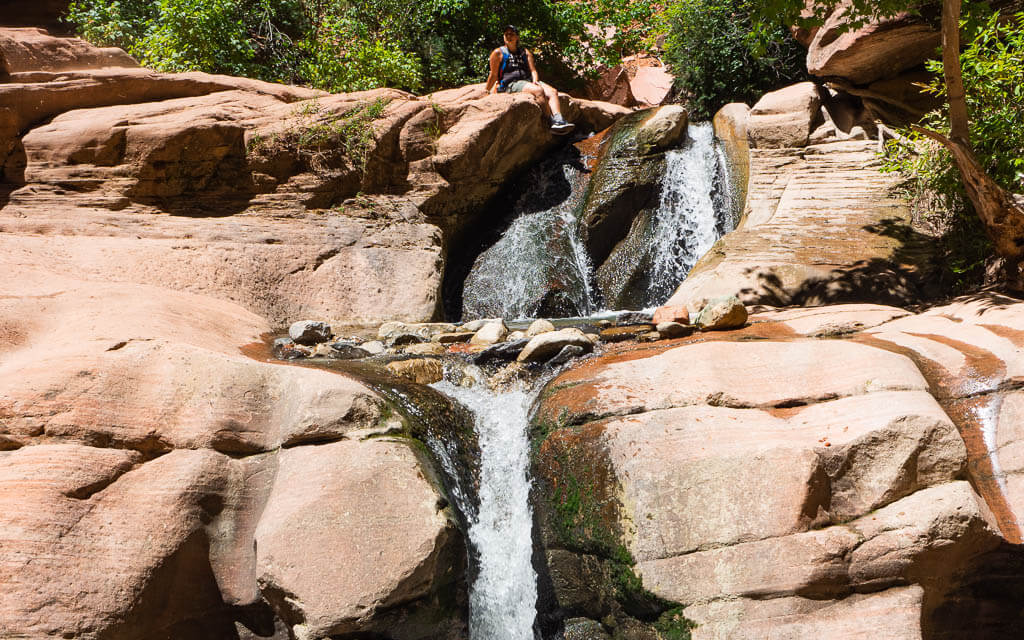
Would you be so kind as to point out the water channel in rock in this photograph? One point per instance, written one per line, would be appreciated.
(540, 266)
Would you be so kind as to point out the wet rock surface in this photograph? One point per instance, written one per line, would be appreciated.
(805, 499)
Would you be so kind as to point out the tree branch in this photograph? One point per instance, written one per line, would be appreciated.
(958, 119)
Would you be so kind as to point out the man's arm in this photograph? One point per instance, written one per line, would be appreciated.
(492, 78)
(533, 67)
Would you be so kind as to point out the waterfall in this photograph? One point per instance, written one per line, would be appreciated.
(539, 267)
(503, 598)
(694, 212)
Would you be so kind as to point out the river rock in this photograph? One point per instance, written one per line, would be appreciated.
(721, 313)
(373, 347)
(546, 345)
(515, 336)
(348, 351)
(674, 329)
(785, 118)
(490, 333)
(567, 353)
(399, 333)
(452, 338)
(309, 332)
(475, 325)
(665, 128)
(425, 349)
(286, 349)
(672, 313)
(418, 370)
(538, 327)
(501, 351)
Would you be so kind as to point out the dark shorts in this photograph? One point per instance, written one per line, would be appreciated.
(516, 86)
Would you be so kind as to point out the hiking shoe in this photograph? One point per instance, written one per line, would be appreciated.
(560, 126)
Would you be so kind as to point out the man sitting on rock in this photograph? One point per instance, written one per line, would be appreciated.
(512, 71)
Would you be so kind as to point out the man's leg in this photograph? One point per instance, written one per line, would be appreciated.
(538, 93)
(551, 95)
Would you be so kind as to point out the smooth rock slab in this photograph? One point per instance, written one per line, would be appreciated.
(894, 614)
(364, 505)
(772, 374)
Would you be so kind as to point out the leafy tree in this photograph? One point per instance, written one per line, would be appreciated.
(715, 60)
(356, 44)
(1000, 211)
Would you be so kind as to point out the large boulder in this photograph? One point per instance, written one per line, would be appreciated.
(730, 124)
(30, 49)
(785, 118)
(878, 50)
(156, 470)
(772, 494)
(287, 200)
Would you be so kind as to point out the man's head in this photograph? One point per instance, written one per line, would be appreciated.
(510, 33)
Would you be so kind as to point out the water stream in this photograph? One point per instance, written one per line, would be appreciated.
(503, 598)
(540, 266)
(694, 212)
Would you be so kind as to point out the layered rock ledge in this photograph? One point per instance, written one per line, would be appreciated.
(288, 201)
(804, 476)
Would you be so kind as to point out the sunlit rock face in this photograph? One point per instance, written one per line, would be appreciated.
(815, 471)
(290, 201)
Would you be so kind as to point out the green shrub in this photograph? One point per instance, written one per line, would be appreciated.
(361, 44)
(345, 56)
(716, 58)
(993, 75)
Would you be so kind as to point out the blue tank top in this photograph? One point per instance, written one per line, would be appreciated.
(514, 66)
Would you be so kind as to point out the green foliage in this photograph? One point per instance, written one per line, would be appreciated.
(360, 44)
(345, 55)
(673, 625)
(993, 73)
(716, 60)
(207, 35)
(241, 37)
(318, 137)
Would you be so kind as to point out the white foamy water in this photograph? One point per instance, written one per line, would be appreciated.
(694, 212)
(988, 417)
(503, 598)
(541, 250)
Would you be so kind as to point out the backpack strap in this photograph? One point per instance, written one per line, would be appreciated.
(501, 70)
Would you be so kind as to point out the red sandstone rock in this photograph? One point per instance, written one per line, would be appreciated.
(88, 154)
(142, 447)
(28, 49)
(765, 485)
(876, 51)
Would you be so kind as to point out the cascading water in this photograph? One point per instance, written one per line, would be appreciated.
(694, 212)
(503, 598)
(540, 266)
